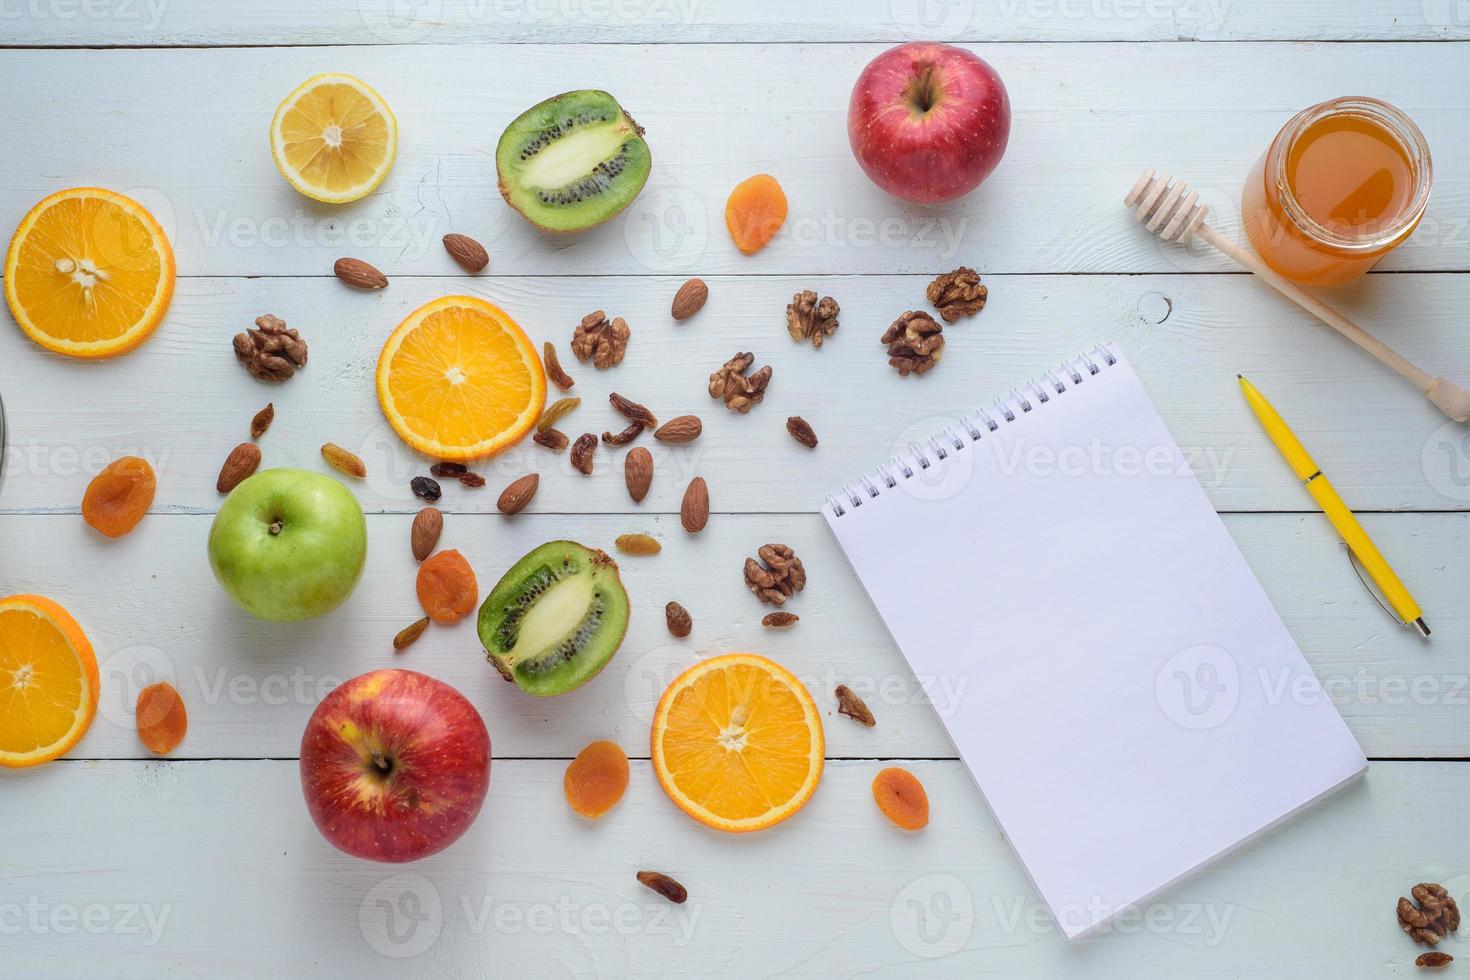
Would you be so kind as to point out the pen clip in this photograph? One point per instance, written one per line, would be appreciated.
(1358, 571)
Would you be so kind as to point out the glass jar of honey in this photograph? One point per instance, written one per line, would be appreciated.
(1340, 186)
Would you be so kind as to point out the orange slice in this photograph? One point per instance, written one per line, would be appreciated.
(460, 380)
(89, 273)
(48, 681)
(737, 743)
(334, 138)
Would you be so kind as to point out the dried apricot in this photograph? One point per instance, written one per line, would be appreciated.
(447, 587)
(901, 797)
(755, 211)
(119, 496)
(162, 720)
(596, 779)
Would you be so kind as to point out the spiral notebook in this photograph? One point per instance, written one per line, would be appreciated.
(1125, 696)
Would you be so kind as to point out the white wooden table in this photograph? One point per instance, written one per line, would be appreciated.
(116, 864)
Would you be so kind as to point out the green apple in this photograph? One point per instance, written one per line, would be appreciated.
(288, 544)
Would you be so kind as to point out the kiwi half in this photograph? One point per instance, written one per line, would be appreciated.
(555, 619)
(572, 161)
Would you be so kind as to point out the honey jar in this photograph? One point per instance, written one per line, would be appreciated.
(1342, 184)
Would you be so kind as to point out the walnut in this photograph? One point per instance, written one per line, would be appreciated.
(779, 579)
(602, 342)
(1436, 914)
(915, 342)
(271, 352)
(958, 293)
(740, 392)
(808, 319)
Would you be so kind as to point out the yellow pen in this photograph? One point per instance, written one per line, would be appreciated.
(1337, 512)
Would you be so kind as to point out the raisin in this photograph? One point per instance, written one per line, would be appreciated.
(119, 496)
(424, 487)
(596, 779)
(448, 469)
(162, 718)
(472, 479)
(447, 587)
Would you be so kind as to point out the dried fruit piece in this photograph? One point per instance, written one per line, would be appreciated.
(271, 352)
(801, 430)
(448, 468)
(678, 620)
(243, 460)
(555, 411)
(357, 273)
(554, 370)
(447, 588)
(807, 318)
(162, 718)
(664, 885)
(638, 544)
(470, 254)
(957, 294)
(1434, 960)
(901, 797)
(262, 420)
(631, 410)
(739, 392)
(782, 576)
(690, 299)
(694, 511)
(410, 633)
(633, 431)
(428, 524)
(848, 703)
(754, 212)
(474, 480)
(582, 452)
(426, 487)
(514, 498)
(349, 463)
(596, 779)
(780, 620)
(552, 439)
(601, 341)
(119, 496)
(638, 473)
(685, 428)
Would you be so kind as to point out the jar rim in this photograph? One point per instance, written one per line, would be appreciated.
(1398, 125)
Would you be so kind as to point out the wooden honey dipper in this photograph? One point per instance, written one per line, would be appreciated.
(1173, 212)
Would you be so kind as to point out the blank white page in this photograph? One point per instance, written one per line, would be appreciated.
(1132, 704)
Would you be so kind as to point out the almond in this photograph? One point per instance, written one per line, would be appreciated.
(428, 524)
(470, 254)
(690, 299)
(514, 498)
(694, 512)
(243, 460)
(638, 471)
(356, 272)
(349, 463)
(685, 428)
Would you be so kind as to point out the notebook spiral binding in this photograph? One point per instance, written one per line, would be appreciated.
(953, 438)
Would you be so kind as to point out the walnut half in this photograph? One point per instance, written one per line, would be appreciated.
(601, 341)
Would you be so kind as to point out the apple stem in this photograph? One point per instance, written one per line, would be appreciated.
(382, 761)
(922, 91)
(276, 526)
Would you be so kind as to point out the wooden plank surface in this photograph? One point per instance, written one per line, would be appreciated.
(203, 163)
(272, 22)
(154, 612)
(214, 869)
(182, 401)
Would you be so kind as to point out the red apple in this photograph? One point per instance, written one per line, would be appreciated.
(394, 765)
(928, 121)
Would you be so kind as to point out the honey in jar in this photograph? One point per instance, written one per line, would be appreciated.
(1340, 186)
